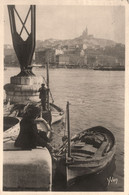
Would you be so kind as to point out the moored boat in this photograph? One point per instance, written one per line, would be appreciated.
(18, 110)
(12, 127)
(88, 152)
(110, 68)
(91, 151)
(57, 113)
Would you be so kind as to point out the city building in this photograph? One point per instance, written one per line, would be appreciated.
(62, 60)
(43, 56)
(10, 58)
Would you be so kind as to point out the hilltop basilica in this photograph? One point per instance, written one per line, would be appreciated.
(85, 33)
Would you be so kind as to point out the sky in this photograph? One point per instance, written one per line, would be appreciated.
(69, 21)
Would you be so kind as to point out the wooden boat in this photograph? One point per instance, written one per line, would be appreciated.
(91, 151)
(57, 113)
(86, 153)
(17, 110)
(12, 127)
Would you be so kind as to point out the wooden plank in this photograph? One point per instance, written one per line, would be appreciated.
(87, 149)
(99, 152)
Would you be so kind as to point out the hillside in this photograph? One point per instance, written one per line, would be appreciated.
(89, 40)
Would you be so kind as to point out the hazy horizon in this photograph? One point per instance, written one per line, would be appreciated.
(68, 22)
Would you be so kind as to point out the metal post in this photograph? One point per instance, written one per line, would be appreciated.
(48, 74)
(68, 129)
(48, 84)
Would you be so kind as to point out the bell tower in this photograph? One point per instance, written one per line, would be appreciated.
(85, 32)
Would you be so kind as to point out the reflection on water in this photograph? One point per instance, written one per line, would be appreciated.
(93, 182)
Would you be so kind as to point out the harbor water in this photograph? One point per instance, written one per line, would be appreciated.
(96, 98)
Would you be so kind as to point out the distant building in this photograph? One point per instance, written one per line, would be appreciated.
(8, 46)
(85, 32)
(82, 53)
(91, 61)
(86, 35)
(105, 60)
(62, 60)
(71, 47)
(84, 46)
(59, 51)
(40, 57)
(43, 56)
(10, 58)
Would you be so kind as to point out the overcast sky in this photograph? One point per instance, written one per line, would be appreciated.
(68, 22)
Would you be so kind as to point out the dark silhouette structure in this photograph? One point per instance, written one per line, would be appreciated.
(24, 48)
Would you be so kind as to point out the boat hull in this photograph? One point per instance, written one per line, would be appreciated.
(11, 128)
(17, 110)
(85, 159)
(57, 113)
(88, 168)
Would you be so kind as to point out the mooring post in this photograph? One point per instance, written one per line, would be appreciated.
(47, 68)
(68, 129)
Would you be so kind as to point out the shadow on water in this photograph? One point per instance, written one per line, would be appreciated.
(93, 182)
